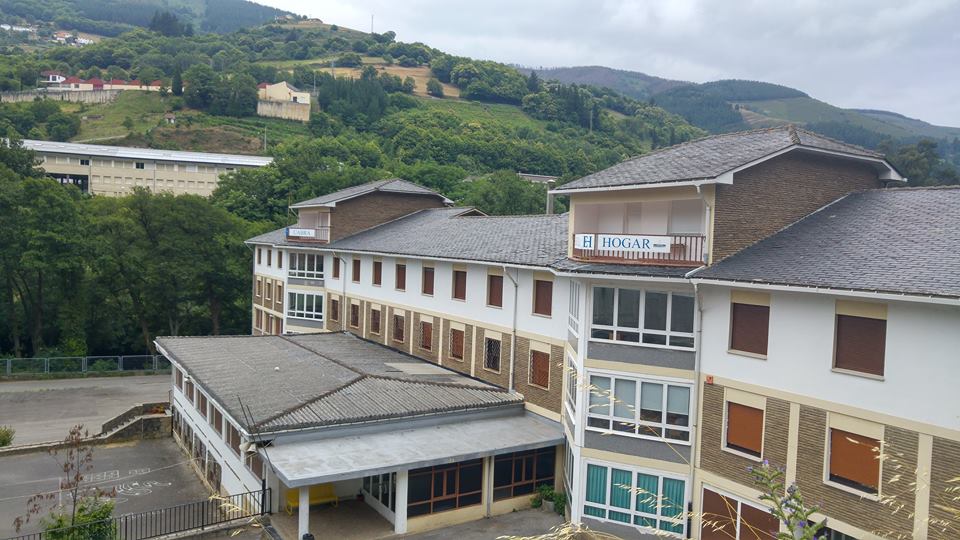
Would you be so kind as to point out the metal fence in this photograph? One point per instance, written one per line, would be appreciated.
(193, 516)
(84, 364)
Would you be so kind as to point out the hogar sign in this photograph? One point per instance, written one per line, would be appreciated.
(622, 242)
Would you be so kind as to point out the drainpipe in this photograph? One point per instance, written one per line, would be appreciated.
(513, 328)
(706, 225)
(694, 446)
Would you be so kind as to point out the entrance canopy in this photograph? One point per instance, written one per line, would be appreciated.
(327, 460)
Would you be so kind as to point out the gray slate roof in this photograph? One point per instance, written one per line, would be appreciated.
(710, 157)
(324, 380)
(901, 241)
(392, 185)
(444, 233)
(129, 152)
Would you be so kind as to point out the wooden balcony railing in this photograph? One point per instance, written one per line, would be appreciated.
(662, 250)
(308, 234)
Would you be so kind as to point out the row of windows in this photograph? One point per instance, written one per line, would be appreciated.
(539, 361)
(641, 408)
(859, 340)
(142, 165)
(635, 497)
(542, 302)
(149, 182)
(267, 323)
(853, 459)
(215, 417)
(642, 317)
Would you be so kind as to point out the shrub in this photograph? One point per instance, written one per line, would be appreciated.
(6, 435)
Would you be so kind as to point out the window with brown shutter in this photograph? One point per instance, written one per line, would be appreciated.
(269, 257)
(279, 259)
(542, 297)
(854, 460)
(180, 379)
(427, 286)
(757, 524)
(426, 335)
(749, 328)
(377, 272)
(456, 343)
(460, 284)
(398, 328)
(356, 270)
(355, 315)
(860, 344)
(495, 290)
(375, 321)
(718, 517)
(336, 268)
(259, 255)
(278, 326)
(744, 429)
(334, 310)
(259, 287)
(540, 369)
(401, 277)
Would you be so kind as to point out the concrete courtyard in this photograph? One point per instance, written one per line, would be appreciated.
(147, 475)
(44, 411)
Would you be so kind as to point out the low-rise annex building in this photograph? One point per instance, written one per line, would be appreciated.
(116, 170)
(336, 417)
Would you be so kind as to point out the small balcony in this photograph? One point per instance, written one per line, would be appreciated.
(663, 250)
(661, 232)
(320, 235)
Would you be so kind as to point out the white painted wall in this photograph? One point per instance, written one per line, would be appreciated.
(474, 308)
(235, 477)
(272, 271)
(921, 358)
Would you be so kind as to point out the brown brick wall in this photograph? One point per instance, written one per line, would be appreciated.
(501, 379)
(893, 518)
(463, 366)
(355, 215)
(549, 398)
(276, 304)
(732, 466)
(428, 355)
(767, 197)
(944, 494)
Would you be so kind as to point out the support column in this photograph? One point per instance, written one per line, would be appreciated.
(400, 505)
(304, 512)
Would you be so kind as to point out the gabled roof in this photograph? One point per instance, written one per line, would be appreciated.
(263, 85)
(315, 380)
(391, 185)
(895, 241)
(73, 80)
(536, 240)
(709, 159)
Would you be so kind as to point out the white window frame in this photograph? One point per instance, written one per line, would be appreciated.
(573, 309)
(571, 391)
(299, 265)
(293, 303)
(668, 333)
(632, 511)
(637, 422)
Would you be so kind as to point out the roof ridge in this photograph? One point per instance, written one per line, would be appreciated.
(309, 402)
(490, 388)
(394, 220)
(797, 130)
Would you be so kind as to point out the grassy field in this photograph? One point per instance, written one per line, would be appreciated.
(805, 110)
(101, 122)
(473, 111)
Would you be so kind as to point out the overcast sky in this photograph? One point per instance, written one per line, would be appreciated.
(902, 56)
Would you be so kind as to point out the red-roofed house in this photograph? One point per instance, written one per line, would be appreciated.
(96, 83)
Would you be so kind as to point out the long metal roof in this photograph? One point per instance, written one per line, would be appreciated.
(124, 152)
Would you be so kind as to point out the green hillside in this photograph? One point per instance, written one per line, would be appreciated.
(629, 83)
(112, 17)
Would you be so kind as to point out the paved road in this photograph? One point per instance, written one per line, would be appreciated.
(44, 411)
(147, 474)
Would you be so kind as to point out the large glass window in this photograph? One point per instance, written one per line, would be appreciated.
(305, 306)
(635, 497)
(444, 487)
(640, 408)
(642, 317)
(382, 487)
(521, 473)
(305, 265)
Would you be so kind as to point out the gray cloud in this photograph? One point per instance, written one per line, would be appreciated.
(899, 56)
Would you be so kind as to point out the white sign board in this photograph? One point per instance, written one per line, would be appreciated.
(623, 242)
(301, 233)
